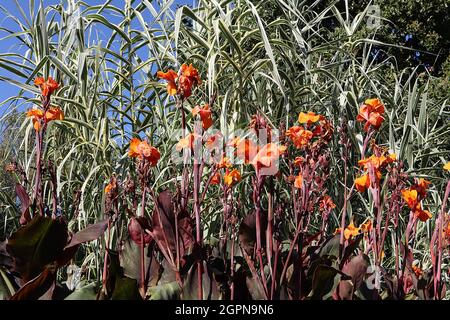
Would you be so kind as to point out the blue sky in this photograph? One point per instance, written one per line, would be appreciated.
(13, 45)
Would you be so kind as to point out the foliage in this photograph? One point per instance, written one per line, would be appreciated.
(171, 231)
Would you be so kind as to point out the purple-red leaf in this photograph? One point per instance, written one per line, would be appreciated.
(24, 204)
(90, 233)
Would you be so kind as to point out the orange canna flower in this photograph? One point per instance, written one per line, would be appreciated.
(215, 179)
(422, 215)
(447, 166)
(421, 186)
(267, 155)
(224, 163)
(298, 161)
(377, 162)
(188, 141)
(298, 183)
(37, 115)
(47, 86)
(170, 76)
(351, 231)
(205, 115)
(366, 227)
(189, 77)
(417, 271)
(410, 197)
(246, 150)
(142, 150)
(362, 182)
(232, 177)
(234, 142)
(309, 117)
(299, 136)
(110, 186)
(371, 112)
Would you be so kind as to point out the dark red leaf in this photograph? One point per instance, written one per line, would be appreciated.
(136, 229)
(39, 287)
(90, 233)
(37, 244)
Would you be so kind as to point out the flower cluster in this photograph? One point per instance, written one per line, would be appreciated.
(181, 83)
(413, 197)
(371, 113)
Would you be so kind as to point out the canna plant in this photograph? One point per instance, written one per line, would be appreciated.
(216, 152)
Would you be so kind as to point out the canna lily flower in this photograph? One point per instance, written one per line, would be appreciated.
(111, 186)
(422, 215)
(298, 161)
(309, 117)
(410, 197)
(351, 231)
(300, 136)
(188, 78)
(53, 113)
(371, 112)
(234, 142)
(377, 162)
(232, 177)
(447, 166)
(47, 86)
(362, 182)
(144, 151)
(421, 187)
(205, 115)
(181, 83)
(224, 163)
(417, 271)
(214, 141)
(246, 150)
(366, 227)
(171, 77)
(188, 141)
(267, 155)
(298, 183)
(215, 179)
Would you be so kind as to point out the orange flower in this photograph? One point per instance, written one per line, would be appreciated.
(298, 161)
(351, 231)
(214, 141)
(422, 215)
(447, 166)
(47, 86)
(205, 115)
(189, 77)
(309, 117)
(267, 155)
(377, 162)
(298, 183)
(53, 113)
(362, 182)
(421, 187)
(171, 77)
(371, 112)
(188, 141)
(417, 270)
(299, 136)
(231, 177)
(246, 149)
(142, 150)
(215, 179)
(410, 197)
(111, 185)
(224, 163)
(234, 142)
(366, 227)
